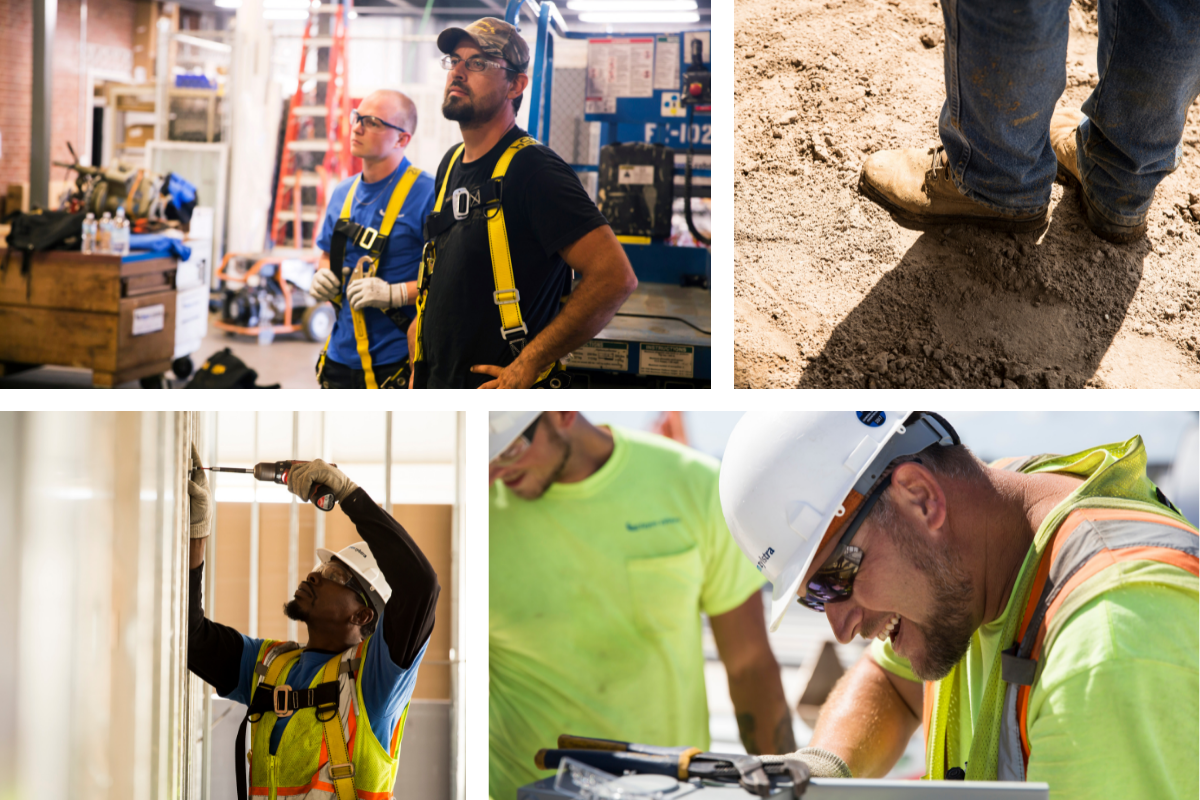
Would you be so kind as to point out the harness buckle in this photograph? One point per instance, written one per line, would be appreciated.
(517, 345)
(516, 298)
(341, 771)
(460, 203)
(280, 698)
(367, 237)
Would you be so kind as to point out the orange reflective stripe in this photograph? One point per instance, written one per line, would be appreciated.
(1098, 563)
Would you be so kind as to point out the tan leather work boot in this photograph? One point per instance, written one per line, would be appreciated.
(915, 187)
(1063, 125)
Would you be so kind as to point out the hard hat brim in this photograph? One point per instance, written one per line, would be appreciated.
(376, 599)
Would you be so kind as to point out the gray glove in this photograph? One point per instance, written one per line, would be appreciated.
(302, 477)
(372, 293)
(326, 285)
(201, 499)
(820, 763)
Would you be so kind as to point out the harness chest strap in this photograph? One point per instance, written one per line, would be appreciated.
(375, 242)
(506, 296)
(427, 256)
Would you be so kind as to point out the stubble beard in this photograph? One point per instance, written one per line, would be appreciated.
(466, 112)
(292, 610)
(948, 637)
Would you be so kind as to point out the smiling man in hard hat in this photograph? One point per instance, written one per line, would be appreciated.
(1038, 614)
(605, 546)
(327, 716)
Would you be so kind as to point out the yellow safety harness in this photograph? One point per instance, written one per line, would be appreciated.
(374, 241)
(513, 329)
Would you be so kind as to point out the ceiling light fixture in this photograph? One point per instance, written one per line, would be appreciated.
(608, 17)
(631, 5)
(285, 13)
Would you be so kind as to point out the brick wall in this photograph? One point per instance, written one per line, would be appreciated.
(109, 32)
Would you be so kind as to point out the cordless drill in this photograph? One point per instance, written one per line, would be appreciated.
(320, 496)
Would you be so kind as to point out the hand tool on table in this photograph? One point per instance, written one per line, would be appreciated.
(682, 763)
(321, 495)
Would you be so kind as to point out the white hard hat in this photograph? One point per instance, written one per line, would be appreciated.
(787, 476)
(504, 427)
(361, 561)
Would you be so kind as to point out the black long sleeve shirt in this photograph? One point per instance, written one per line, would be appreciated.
(215, 650)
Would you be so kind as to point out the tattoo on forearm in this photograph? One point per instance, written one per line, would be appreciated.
(785, 740)
(746, 729)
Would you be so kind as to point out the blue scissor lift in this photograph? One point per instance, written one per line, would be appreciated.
(661, 338)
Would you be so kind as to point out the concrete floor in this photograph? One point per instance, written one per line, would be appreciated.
(290, 361)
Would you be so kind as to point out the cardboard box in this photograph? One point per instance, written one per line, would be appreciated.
(138, 135)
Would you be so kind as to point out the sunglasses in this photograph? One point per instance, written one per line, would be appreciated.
(336, 573)
(517, 449)
(834, 582)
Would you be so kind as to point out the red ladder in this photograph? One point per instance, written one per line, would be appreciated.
(313, 155)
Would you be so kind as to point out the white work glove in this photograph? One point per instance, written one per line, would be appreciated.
(371, 293)
(302, 477)
(201, 499)
(326, 285)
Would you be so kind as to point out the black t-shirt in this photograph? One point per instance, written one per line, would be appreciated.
(545, 209)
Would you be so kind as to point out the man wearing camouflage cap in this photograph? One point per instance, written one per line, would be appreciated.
(510, 223)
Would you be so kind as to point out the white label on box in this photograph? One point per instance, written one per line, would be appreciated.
(636, 174)
(666, 63)
(599, 354)
(149, 319)
(669, 360)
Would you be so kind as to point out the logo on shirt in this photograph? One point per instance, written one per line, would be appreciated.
(641, 526)
(764, 558)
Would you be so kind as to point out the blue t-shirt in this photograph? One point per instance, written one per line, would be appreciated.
(386, 688)
(399, 261)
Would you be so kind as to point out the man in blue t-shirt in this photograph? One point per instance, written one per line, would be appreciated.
(381, 128)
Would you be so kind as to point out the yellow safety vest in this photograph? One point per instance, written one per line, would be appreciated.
(399, 195)
(1072, 557)
(322, 755)
(506, 295)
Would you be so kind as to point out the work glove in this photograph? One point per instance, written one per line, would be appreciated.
(820, 763)
(326, 285)
(301, 478)
(201, 499)
(371, 293)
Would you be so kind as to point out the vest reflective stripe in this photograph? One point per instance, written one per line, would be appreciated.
(1088, 542)
(301, 766)
(395, 203)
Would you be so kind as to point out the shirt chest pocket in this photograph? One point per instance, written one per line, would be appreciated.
(665, 590)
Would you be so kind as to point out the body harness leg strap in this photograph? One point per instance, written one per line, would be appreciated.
(375, 242)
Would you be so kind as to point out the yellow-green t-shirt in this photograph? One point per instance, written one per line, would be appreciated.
(596, 590)
(1115, 709)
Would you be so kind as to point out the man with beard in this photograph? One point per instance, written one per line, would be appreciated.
(1048, 604)
(312, 701)
(605, 546)
(510, 223)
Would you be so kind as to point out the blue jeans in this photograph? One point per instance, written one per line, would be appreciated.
(1005, 70)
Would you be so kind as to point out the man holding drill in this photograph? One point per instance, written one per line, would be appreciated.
(606, 546)
(328, 717)
(1039, 615)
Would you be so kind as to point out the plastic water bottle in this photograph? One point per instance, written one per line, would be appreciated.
(88, 244)
(121, 233)
(104, 235)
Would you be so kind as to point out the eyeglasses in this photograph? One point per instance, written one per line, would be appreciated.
(474, 64)
(513, 453)
(834, 582)
(371, 123)
(339, 574)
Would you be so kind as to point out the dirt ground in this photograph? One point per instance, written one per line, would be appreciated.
(829, 292)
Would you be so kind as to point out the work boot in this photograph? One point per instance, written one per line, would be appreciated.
(1063, 126)
(915, 187)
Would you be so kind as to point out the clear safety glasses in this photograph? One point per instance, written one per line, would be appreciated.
(474, 64)
(513, 453)
(371, 123)
(341, 575)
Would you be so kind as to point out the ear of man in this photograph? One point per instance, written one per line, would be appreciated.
(916, 492)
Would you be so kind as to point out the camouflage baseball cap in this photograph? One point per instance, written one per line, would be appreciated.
(494, 37)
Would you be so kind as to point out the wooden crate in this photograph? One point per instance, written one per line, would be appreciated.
(79, 310)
